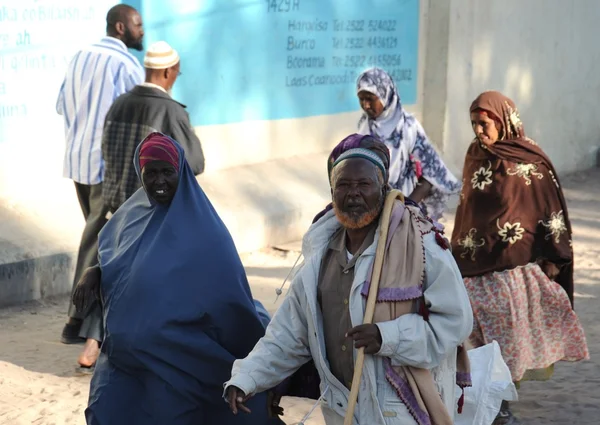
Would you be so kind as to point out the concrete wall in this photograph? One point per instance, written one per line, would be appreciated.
(291, 119)
(541, 53)
(268, 178)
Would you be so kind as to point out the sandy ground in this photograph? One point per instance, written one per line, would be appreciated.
(38, 384)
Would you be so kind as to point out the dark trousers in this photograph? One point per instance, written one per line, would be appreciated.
(94, 212)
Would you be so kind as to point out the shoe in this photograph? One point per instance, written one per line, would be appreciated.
(505, 417)
(70, 334)
(85, 370)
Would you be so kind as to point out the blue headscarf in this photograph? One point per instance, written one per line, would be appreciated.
(408, 144)
(177, 309)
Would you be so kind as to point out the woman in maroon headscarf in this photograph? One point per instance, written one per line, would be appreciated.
(512, 242)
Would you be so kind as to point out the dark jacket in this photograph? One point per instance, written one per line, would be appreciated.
(131, 117)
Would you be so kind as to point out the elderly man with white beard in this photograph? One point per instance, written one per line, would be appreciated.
(414, 358)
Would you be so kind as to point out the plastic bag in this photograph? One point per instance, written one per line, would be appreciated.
(492, 383)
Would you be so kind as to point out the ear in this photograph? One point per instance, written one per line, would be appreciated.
(384, 193)
(166, 73)
(120, 28)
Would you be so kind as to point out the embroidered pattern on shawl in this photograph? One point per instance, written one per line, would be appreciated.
(520, 215)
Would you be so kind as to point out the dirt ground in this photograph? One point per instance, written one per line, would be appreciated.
(38, 383)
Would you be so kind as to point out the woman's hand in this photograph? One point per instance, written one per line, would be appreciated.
(88, 289)
(422, 190)
(550, 269)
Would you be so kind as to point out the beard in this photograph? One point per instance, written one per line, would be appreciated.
(358, 221)
(133, 43)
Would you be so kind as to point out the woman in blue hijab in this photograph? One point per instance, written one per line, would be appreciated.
(177, 306)
(416, 169)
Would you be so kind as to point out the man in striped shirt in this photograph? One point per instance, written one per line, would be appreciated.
(96, 76)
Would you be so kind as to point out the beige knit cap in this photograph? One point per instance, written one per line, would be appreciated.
(160, 56)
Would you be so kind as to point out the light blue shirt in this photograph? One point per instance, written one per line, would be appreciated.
(96, 76)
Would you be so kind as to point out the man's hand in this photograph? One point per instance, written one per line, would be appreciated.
(236, 399)
(367, 336)
(273, 407)
(88, 289)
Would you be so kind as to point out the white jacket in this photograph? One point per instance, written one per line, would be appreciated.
(295, 335)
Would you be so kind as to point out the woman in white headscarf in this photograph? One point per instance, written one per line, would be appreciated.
(416, 169)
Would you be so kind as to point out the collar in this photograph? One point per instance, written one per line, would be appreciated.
(145, 91)
(338, 243)
(115, 42)
(154, 86)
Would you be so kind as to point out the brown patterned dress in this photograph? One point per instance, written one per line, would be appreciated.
(511, 219)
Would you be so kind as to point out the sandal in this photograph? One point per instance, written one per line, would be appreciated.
(85, 370)
(505, 417)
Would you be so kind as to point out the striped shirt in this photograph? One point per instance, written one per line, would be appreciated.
(96, 76)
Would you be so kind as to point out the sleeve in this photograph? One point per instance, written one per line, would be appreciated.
(125, 79)
(263, 314)
(432, 166)
(412, 341)
(184, 133)
(107, 133)
(60, 101)
(282, 351)
(120, 81)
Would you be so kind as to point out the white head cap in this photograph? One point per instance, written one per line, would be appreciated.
(160, 56)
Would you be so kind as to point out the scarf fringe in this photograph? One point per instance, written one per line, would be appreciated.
(405, 394)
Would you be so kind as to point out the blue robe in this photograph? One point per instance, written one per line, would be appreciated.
(177, 311)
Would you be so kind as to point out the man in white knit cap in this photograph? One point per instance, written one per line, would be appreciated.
(147, 108)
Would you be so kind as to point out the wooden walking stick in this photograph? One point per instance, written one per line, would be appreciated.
(372, 297)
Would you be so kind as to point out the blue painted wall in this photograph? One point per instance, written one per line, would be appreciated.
(274, 59)
(241, 59)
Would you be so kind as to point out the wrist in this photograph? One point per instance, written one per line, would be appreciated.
(379, 337)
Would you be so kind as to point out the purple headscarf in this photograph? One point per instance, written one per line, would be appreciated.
(352, 142)
(360, 141)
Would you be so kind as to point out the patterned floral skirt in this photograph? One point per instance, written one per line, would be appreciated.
(530, 317)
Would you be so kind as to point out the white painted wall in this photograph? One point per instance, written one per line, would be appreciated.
(39, 212)
(541, 53)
